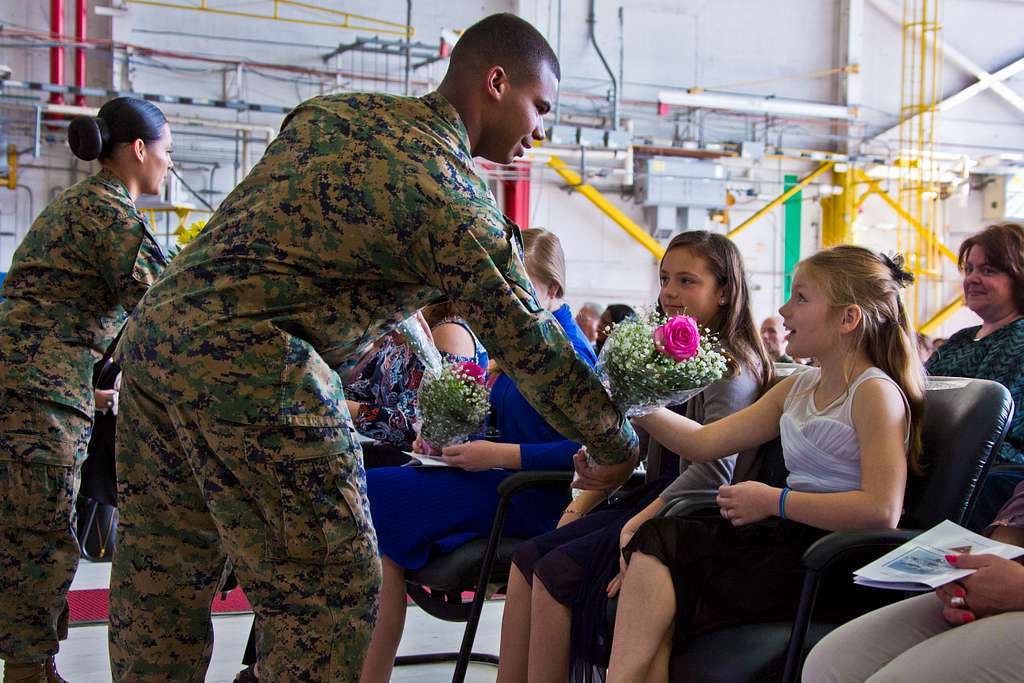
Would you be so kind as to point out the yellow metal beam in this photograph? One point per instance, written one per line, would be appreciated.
(863, 198)
(12, 168)
(807, 180)
(355, 22)
(921, 230)
(631, 227)
(944, 313)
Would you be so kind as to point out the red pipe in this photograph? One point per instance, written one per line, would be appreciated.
(517, 197)
(81, 16)
(57, 53)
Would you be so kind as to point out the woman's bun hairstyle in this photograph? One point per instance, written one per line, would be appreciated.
(122, 120)
(87, 136)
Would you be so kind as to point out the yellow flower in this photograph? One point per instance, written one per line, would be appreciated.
(186, 235)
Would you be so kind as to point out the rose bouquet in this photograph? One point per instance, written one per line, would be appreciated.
(652, 361)
(453, 404)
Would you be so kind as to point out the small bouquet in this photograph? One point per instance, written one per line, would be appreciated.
(453, 404)
(651, 361)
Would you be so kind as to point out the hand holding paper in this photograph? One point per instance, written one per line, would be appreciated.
(921, 564)
(996, 586)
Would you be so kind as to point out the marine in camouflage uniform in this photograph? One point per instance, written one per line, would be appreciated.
(87, 259)
(234, 436)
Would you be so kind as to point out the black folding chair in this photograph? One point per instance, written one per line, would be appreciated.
(965, 422)
(438, 586)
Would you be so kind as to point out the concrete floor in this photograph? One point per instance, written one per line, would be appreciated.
(83, 656)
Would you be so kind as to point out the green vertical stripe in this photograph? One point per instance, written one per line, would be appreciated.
(792, 241)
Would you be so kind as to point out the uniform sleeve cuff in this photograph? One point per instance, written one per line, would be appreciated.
(614, 447)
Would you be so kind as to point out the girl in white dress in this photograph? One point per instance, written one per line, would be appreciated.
(850, 431)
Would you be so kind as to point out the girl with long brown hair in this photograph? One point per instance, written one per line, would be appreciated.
(554, 618)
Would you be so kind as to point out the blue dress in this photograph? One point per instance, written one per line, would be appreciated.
(418, 511)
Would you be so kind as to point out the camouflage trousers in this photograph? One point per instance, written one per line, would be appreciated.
(42, 446)
(287, 505)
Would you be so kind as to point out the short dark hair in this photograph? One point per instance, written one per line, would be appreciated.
(1004, 249)
(121, 120)
(618, 312)
(505, 40)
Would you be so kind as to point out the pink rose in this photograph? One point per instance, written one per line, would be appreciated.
(473, 372)
(678, 338)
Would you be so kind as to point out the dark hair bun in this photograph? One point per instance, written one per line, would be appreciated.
(87, 137)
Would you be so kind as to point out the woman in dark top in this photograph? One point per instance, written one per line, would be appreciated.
(992, 263)
(555, 612)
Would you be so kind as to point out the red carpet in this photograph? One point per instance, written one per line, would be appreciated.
(93, 606)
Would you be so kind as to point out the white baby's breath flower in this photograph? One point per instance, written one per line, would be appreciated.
(451, 406)
(641, 378)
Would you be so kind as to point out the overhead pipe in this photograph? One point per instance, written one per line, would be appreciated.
(81, 17)
(622, 59)
(269, 132)
(408, 48)
(558, 55)
(634, 230)
(57, 52)
(804, 182)
(591, 21)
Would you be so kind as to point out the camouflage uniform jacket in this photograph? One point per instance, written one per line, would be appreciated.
(87, 259)
(364, 209)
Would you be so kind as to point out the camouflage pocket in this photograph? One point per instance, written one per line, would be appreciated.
(323, 512)
(321, 509)
(34, 496)
(43, 432)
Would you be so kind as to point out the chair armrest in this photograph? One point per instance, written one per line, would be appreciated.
(1006, 468)
(840, 545)
(531, 478)
(690, 502)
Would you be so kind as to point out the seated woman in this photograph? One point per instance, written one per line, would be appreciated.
(558, 585)
(970, 630)
(849, 429)
(418, 512)
(382, 393)
(992, 263)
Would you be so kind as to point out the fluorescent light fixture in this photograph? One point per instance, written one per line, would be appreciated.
(758, 105)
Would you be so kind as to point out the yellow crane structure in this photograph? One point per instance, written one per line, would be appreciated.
(919, 229)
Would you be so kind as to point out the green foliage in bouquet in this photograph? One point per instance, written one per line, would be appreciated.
(452, 405)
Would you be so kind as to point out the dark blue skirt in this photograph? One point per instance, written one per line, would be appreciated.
(576, 562)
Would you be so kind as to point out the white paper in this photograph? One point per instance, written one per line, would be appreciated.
(426, 460)
(920, 564)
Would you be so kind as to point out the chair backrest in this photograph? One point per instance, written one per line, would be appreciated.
(965, 421)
